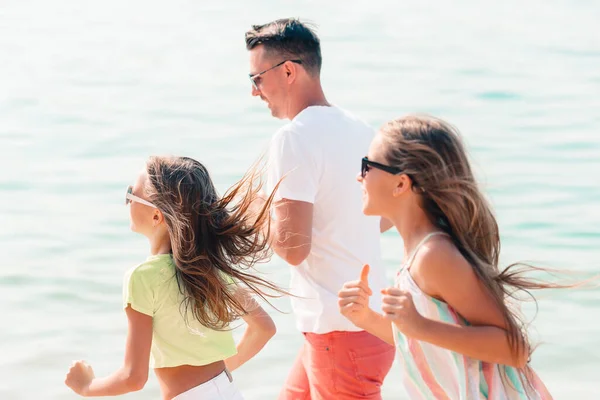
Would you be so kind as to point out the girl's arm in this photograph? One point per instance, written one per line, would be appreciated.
(258, 332)
(485, 343)
(353, 301)
(442, 272)
(377, 325)
(131, 376)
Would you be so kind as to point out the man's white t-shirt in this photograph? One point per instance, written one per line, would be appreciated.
(319, 152)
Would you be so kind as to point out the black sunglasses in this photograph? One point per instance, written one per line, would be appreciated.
(255, 76)
(366, 164)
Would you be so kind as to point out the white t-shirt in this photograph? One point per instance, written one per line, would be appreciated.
(320, 150)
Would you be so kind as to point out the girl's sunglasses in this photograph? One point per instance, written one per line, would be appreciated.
(129, 197)
(366, 164)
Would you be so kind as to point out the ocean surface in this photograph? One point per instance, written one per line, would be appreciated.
(90, 89)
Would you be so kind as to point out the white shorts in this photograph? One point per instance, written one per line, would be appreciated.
(220, 387)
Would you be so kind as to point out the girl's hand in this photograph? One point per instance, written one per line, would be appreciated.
(399, 308)
(80, 377)
(353, 299)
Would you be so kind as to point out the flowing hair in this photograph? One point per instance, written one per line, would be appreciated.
(430, 151)
(214, 240)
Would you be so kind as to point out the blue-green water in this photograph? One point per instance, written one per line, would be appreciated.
(90, 89)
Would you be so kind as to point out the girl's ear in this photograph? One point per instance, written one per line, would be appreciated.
(157, 218)
(402, 185)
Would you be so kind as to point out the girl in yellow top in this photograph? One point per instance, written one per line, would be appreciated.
(181, 300)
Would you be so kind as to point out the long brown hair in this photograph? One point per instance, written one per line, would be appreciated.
(430, 151)
(214, 239)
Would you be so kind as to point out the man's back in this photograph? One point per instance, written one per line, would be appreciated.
(320, 151)
(318, 226)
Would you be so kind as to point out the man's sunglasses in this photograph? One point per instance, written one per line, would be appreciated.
(366, 164)
(129, 197)
(253, 78)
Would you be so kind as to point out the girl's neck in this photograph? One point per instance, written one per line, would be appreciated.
(413, 225)
(160, 245)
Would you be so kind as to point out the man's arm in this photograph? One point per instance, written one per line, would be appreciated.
(291, 230)
(294, 173)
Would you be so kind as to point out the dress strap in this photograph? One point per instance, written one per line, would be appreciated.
(408, 262)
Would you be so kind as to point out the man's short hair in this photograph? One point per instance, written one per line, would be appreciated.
(290, 39)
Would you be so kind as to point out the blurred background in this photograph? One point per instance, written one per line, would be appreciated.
(90, 89)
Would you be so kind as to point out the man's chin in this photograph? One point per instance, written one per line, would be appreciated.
(275, 114)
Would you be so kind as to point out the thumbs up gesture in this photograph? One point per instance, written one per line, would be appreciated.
(353, 299)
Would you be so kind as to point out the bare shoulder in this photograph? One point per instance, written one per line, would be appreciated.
(437, 263)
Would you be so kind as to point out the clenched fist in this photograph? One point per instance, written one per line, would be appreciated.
(399, 308)
(79, 377)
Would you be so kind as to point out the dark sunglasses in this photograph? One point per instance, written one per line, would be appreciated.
(366, 164)
(253, 78)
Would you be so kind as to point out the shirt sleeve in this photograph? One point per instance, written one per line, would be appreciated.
(138, 291)
(293, 162)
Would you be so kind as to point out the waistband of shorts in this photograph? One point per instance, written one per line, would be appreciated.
(222, 380)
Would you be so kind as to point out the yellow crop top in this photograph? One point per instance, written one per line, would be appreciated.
(151, 288)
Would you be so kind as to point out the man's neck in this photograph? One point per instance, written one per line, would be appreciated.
(309, 97)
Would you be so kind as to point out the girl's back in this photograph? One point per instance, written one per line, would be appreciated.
(433, 372)
(151, 288)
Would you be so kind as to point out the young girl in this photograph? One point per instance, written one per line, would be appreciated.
(180, 301)
(456, 332)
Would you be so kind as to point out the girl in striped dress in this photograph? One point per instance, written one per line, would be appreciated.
(453, 312)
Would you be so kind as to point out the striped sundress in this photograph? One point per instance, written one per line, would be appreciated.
(433, 373)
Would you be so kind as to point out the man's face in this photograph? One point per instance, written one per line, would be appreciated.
(270, 86)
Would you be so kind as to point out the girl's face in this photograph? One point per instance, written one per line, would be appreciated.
(379, 186)
(144, 216)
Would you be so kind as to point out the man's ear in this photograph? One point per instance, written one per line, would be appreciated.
(290, 71)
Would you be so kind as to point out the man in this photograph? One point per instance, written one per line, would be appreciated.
(318, 226)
